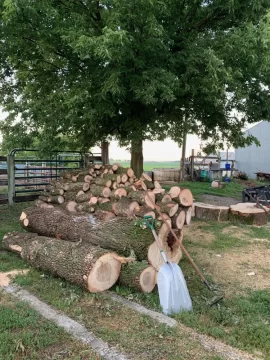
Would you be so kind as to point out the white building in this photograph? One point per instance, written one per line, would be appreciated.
(254, 158)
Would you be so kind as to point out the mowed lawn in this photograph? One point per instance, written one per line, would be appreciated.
(150, 165)
(227, 254)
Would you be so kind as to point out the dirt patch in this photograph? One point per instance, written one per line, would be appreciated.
(196, 234)
(218, 200)
(6, 277)
(246, 268)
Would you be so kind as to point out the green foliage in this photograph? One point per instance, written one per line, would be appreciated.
(89, 70)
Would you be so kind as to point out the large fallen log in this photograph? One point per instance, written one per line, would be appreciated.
(119, 234)
(211, 212)
(248, 213)
(91, 267)
(138, 275)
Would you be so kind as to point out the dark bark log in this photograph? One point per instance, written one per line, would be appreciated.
(125, 207)
(55, 191)
(83, 197)
(178, 220)
(168, 208)
(100, 191)
(142, 198)
(139, 275)
(103, 182)
(149, 184)
(89, 266)
(119, 234)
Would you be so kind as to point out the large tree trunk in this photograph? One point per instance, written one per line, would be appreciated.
(119, 234)
(139, 275)
(137, 157)
(105, 152)
(89, 266)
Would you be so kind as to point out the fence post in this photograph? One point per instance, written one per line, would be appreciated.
(11, 178)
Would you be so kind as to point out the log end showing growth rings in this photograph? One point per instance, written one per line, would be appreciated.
(104, 273)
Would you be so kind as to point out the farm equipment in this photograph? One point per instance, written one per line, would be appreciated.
(260, 194)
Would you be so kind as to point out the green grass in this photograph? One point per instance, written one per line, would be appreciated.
(240, 320)
(9, 220)
(150, 165)
(221, 240)
(115, 323)
(232, 189)
(25, 335)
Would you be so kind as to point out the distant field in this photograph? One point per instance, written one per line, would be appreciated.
(149, 165)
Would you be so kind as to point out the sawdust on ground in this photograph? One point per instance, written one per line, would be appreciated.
(6, 277)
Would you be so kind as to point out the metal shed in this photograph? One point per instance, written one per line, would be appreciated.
(254, 158)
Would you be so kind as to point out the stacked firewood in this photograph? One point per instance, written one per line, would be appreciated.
(88, 226)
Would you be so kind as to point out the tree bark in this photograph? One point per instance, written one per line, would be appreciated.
(178, 220)
(137, 157)
(138, 275)
(168, 208)
(142, 198)
(125, 207)
(89, 266)
(211, 212)
(105, 152)
(119, 234)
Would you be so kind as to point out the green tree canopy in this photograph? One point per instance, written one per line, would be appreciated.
(141, 69)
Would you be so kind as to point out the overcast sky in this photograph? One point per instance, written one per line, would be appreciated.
(166, 150)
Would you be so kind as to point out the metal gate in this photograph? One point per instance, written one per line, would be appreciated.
(24, 174)
(28, 174)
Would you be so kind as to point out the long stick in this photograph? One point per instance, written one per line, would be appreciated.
(180, 244)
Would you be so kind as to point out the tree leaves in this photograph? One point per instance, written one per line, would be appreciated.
(133, 69)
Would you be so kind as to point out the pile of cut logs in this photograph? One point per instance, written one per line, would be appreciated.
(88, 228)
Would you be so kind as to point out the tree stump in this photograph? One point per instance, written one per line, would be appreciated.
(210, 212)
(248, 213)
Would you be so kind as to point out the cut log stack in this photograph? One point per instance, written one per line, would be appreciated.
(88, 227)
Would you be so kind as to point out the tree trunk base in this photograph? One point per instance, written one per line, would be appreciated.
(211, 212)
(248, 213)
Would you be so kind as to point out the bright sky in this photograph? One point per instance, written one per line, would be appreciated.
(166, 150)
